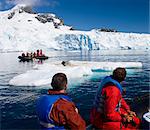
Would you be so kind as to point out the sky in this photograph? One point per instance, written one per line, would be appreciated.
(121, 15)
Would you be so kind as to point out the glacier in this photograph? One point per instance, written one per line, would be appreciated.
(24, 30)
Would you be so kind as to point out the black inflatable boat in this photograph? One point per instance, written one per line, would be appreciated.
(26, 58)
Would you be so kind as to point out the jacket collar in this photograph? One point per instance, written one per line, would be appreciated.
(53, 92)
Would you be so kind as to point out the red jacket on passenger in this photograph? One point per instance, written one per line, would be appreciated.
(111, 119)
(65, 113)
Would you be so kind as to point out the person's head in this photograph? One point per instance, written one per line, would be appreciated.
(119, 74)
(59, 82)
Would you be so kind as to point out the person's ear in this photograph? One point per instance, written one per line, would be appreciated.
(66, 86)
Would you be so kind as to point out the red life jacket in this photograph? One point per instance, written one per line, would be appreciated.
(98, 116)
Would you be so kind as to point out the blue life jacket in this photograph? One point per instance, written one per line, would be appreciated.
(99, 99)
(43, 108)
(108, 79)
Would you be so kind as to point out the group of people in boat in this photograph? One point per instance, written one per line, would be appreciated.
(110, 111)
(38, 53)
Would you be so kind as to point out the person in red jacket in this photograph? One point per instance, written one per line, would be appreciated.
(56, 110)
(110, 111)
(41, 53)
(37, 53)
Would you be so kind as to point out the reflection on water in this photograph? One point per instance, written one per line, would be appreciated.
(18, 103)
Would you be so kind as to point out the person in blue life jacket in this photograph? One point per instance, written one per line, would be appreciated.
(56, 110)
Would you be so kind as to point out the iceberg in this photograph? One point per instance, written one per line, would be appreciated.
(42, 74)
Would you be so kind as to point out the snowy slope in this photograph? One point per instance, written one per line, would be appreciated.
(21, 30)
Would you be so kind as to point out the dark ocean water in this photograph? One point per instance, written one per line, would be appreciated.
(18, 103)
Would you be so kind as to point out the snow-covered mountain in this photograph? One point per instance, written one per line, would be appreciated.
(21, 29)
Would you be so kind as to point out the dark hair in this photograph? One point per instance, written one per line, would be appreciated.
(59, 81)
(119, 74)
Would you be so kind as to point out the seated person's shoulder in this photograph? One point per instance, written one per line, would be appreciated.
(110, 87)
(64, 104)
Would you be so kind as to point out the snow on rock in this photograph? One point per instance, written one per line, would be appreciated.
(21, 29)
(42, 74)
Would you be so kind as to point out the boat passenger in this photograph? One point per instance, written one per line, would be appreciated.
(56, 109)
(41, 53)
(27, 54)
(110, 111)
(31, 55)
(34, 54)
(37, 54)
(23, 55)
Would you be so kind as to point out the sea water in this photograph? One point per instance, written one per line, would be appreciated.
(18, 102)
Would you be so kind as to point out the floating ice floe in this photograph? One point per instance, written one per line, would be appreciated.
(42, 74)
